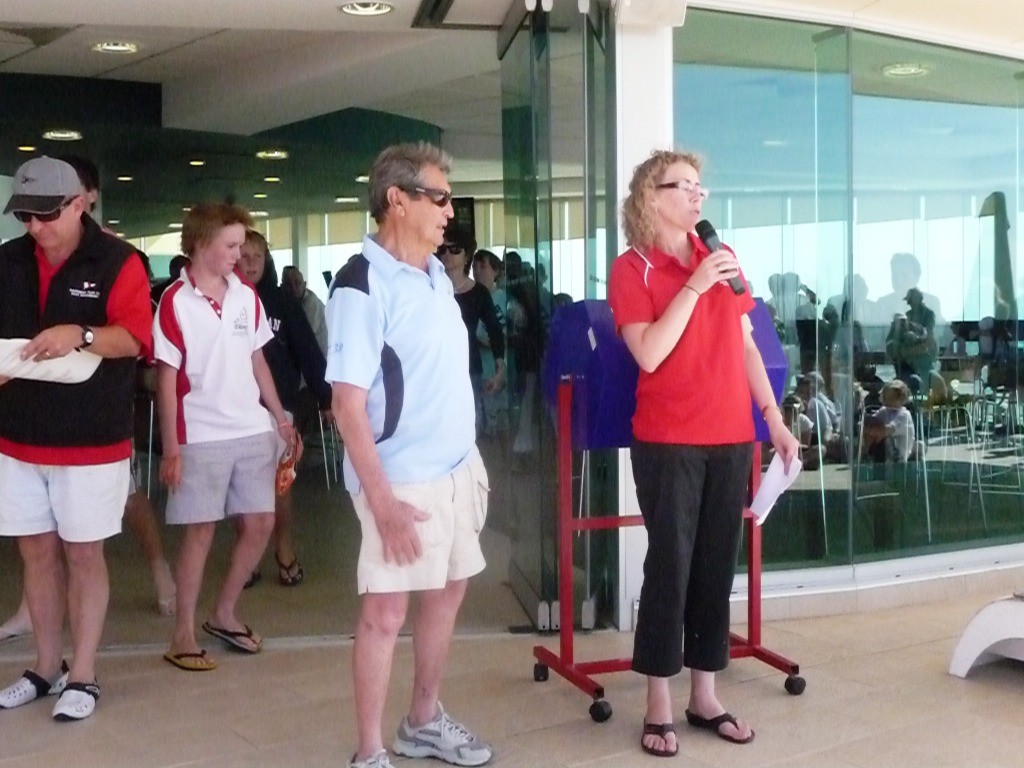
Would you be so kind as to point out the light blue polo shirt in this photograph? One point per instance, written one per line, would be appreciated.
(396, 331)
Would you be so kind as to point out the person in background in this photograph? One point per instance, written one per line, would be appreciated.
(487, 270)
(65, 449)
(477, 308)
(174, 267)
(294, 282)
(220, 445)
(398, 363)
(691, 452)
(293, 353)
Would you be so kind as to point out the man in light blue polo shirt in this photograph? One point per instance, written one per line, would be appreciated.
(398, 362)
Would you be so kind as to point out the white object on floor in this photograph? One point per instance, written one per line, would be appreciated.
(996, 632)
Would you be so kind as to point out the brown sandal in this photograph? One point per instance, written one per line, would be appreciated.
(661, 730)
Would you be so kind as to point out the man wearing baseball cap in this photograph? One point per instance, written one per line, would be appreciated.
(64, 448)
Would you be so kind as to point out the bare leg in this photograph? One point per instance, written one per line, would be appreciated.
(88, 594)
(195, 546)
(432, 637)
(284, 543)
(253, 534)
(141, 518)
(659, 710)
(19, 624)
(380, 618)
(703, 702)
(44, 591)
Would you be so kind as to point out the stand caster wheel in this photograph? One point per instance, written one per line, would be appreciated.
(795, 685)
(600, 711)
(540, 672)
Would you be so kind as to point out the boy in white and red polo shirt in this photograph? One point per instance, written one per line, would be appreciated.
(219, 442)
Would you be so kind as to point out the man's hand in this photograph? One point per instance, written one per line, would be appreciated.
(56, 341)
(396, 524)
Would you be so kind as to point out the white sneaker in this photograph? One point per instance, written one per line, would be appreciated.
(77, 702)
(444, 739)
(380, 760)
(31, 687)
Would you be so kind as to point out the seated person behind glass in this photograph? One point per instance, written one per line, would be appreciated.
(889, 432)
(794, 417)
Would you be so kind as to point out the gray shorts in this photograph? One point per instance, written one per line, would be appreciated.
(223, 478)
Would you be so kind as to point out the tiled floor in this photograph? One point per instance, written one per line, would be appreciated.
(878, 694)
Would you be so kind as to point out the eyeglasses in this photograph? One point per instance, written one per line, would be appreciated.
(447, 248)
(43, 218)
(686, 186)
(439, 197)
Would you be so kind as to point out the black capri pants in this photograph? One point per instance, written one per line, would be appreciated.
(691, 498)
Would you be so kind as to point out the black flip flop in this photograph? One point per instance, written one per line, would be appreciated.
(714, 723)
(235, 639)
(661, 730)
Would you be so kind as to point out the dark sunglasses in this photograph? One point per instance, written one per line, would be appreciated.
(439, 197)
(449, 248)
(43, 218)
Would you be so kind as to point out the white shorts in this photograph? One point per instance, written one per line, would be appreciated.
(82, 504)
(457, 505)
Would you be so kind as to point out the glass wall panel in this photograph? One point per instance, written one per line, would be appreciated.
(935, 158)
(871, 188)
(766, 103)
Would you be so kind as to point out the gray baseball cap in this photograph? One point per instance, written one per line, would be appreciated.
(42, 185)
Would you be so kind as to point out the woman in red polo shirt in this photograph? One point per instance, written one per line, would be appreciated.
(693, 432)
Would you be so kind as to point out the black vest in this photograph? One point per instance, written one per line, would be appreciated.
(97, 412)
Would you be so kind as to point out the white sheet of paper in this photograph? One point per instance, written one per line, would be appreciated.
(74, 368)
(775, 481)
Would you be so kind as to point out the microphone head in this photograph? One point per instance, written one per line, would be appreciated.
(706, 232)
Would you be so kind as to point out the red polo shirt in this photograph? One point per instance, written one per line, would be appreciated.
(699, 394)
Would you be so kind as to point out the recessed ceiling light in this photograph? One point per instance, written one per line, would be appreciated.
(197, 163)
(26, 148)
(260, 195)
(346, 199)
(365, 9)
(775, 143)
(364, 179)
(904, 69)
(175, 225)
(116, 46)
(113, 222)
(272, 154)
(271, 179)
(187, 208)
(259, 214)
(124, 178)
(119, 234)
(62, 134)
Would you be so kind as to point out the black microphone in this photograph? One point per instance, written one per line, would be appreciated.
(709, 237)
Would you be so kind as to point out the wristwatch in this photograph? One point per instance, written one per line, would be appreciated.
(87, 337)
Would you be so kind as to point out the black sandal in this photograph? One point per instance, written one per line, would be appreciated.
(290, 575)
(254, 577)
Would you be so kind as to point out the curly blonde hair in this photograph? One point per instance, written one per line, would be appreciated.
(638, 220)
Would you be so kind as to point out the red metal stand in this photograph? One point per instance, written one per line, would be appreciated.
(578, 673)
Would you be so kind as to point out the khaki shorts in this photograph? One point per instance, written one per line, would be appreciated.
(457, 505)
(81, 503)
